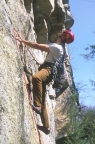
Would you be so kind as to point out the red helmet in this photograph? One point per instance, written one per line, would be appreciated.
(69, 36)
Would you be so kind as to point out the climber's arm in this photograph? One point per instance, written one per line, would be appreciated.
(42, 47)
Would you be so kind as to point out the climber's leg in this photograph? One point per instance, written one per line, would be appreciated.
(44, 114)
(37, 81)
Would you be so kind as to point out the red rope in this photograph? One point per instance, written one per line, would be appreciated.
(32, 55)
(29, 97)
(30, 103)
(16, 34)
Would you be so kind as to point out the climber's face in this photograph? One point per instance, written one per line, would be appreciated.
(61, 35)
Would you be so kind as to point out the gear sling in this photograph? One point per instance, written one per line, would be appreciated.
(57, 72)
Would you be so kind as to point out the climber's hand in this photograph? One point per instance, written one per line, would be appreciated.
(18, 37)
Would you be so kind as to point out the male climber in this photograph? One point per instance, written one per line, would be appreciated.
(55, 51)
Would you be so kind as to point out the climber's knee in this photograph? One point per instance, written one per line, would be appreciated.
(35, 78)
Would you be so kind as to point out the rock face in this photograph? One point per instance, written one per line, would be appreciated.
(35, 21)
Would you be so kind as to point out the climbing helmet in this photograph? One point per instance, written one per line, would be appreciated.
(69, 36)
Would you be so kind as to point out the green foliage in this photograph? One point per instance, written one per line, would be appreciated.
(88, 126)
(82, 123)
(82, 127)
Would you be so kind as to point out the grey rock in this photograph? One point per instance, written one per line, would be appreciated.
(34, 21)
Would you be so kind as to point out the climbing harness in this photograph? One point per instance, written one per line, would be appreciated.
(16, 34)
(59, 75)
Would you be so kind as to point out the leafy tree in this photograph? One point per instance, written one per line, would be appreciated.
(88, 126)
(82, 128)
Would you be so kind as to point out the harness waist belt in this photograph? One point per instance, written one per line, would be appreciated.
(48, 64)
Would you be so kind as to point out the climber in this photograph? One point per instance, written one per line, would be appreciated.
(54, 50)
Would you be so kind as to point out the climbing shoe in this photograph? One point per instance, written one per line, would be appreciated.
(45, 130)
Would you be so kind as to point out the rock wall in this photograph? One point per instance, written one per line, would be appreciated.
(37, 21)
